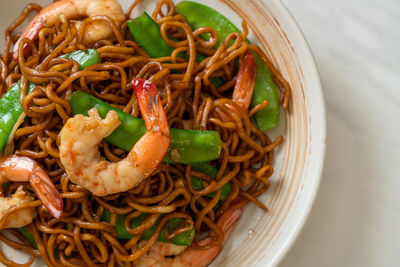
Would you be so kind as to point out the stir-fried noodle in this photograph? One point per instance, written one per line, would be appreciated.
(190, 100)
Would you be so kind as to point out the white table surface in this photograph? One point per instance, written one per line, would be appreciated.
(355, 220)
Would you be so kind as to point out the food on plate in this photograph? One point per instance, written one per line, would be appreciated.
(141, 138)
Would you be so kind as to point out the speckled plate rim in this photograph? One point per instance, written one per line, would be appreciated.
(313, 79)
(299, 176)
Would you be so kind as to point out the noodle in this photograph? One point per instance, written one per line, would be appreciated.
(190, 100)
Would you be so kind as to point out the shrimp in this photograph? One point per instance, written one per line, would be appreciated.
(23, 169)
(21, 217)
(244, 86)
(75, 9)
(160, 253)
(81, 136)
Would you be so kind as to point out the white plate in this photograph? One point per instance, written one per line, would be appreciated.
(262, 239)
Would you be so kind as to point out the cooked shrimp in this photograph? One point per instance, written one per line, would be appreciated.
(160, 254)
(20, 217)
(23, 169)
(81, 136)
(244, 86)
(75, 9)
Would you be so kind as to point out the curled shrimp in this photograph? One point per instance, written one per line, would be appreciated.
(170, 255)
(244, 86)
(81, 136)
(73, 9)
(23, 169)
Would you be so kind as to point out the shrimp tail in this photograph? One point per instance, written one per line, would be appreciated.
(74, 9)
(228, 221)
(202, 258)
(31, 31)
(23, 169)
(245, 81)
(157, 137)
(47, 193)
(244, 87)
(150, 105)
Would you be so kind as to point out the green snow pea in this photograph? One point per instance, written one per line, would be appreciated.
(24, 231)
(187, 146)
(182, 239)
(10, 105)
(199, 15)
(85, 58)
(11, 112)
(211, 171)
(147, 33)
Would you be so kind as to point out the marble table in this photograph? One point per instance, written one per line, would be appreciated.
(355, 220)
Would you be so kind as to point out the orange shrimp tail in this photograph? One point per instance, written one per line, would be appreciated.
(202, 258)
(150, 106)
(228, 221)
(244, 87)
(47, 193)
(245, 81)
(153, 146)
(24, 169)
(31, 31)
(25, 50)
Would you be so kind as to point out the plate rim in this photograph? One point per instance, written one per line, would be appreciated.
(319, 166)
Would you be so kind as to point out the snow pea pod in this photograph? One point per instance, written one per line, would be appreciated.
(85, 58)
(199, 15)
(11, 112)
(24, 231)
(182, 239)
(187, 146)
(211, 171)
(147, 33)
